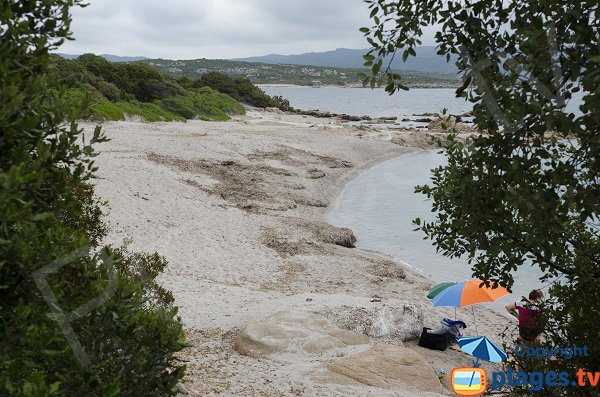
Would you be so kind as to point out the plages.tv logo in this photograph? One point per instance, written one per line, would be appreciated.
(468, 381)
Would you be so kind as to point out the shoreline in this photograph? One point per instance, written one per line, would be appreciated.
(240, 209)
(290, 85)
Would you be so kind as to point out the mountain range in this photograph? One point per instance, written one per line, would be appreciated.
(427, 60)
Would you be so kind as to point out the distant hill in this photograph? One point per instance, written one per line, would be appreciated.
(266, 73)
(427, 60)
(108, 57)
(273, 73)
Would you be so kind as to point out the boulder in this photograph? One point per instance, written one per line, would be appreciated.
(389, 367)
(330, 234)
(403, 321)
(294, 332)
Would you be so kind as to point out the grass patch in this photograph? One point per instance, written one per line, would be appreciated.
(204, 104)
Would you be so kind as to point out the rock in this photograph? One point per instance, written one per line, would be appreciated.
(294, 332)
(423, 120)
(427, 115)
(330, 234)
(403, 321)
(274, 110)
(349, 117)
(389, 367)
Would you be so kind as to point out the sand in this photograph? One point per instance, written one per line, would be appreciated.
(238, 209)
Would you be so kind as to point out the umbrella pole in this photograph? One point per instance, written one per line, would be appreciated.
(474, 322)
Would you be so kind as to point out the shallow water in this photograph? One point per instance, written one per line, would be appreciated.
(377, 103)
(374, 103)
(379, 206)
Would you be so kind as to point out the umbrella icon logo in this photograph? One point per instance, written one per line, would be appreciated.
(468, 381)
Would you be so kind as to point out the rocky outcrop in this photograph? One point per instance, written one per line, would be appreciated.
(403, 321)
(294, 332)
(330, 234)
(389, 367)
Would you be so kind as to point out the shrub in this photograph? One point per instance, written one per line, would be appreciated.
(219, 82)
(252, 95)
(105, 110)
(205, 104)
(48, 212)
(282, 103)
(118, 90)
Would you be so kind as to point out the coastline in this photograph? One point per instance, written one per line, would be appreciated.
(357, 85)
(239, 209)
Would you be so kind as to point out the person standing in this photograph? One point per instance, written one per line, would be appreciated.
(529, 314)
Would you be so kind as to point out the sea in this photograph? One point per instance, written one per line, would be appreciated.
(380, 204)
(411, 105)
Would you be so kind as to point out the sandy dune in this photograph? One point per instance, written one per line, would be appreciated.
(238, 210)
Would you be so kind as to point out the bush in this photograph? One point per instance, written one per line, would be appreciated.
(205, 104)
(218, 82)
(118, 90)
(282, 103)
(180, 105)
(48, 212)
(252, 95)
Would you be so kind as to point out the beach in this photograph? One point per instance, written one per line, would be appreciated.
(239, 210)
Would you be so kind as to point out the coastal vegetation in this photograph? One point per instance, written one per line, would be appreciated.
(526, 192)
(264, 73)
(76, 318)
(117, 90)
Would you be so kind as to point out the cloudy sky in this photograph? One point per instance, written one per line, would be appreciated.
(185, 29)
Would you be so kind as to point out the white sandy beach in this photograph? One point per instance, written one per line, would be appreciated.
(238, 209)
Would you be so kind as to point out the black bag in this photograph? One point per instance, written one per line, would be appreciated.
(433, 341)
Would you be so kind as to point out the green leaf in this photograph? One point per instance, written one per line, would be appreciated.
(41, 216)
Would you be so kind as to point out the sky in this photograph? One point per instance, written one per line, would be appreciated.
(188, 29)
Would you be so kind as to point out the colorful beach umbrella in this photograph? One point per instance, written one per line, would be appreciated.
(481, 348)
(436, 289)
(466, 293)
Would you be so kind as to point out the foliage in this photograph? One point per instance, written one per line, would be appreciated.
(252, 95)
(220, 82)
(282, 103)
(527, 191)
(205, 103)
(240, 89)
(117, 90)
(48, 212)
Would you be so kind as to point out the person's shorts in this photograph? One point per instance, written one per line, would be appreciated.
(528, 334)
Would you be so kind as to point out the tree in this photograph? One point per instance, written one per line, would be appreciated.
(218, 81)
(527, 190)
(76, 319)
